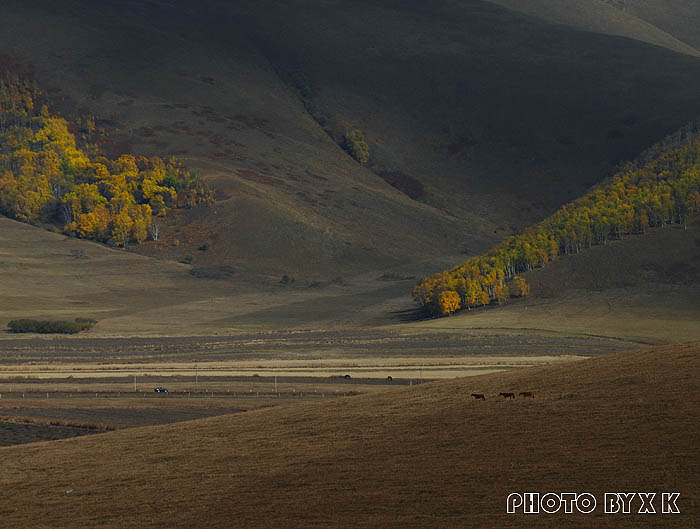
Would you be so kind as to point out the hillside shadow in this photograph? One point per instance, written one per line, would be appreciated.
(409, 315)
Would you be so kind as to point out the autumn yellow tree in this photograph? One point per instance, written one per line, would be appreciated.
(449, 302)
(521, 288)
(121, 230)
(142, 218)
(47, 177)
(501, 293)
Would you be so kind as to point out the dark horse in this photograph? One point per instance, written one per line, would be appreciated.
(479, 396)
(528, 394)
(507, 395)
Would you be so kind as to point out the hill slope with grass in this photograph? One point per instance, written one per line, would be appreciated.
(644, 288)
(612, 17)
(427, 456)
(49, 276)
(659, 189)
(677, 17)
(259, 96)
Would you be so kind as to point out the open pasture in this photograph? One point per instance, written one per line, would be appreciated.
(48, 408)
(109, 382)
(422, 456)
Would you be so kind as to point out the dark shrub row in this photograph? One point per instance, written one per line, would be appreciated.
(50, 327)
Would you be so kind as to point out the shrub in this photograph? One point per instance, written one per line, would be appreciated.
(394, 276)
(188, 259)
(50, 326)
(214, 272)
(521, 288)
(357, 146)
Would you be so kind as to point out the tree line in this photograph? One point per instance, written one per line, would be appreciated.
(660, 188)
(47, 177)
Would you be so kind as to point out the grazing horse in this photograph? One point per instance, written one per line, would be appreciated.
(528, 394)
(507, 395)
(479, 396)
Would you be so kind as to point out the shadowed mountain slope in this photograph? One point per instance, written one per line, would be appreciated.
(479, 119)
(680, 18)
(473, 100)
(427, 456)
(609, 17)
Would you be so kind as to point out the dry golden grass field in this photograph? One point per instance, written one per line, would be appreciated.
(643, 289)
(427, 456)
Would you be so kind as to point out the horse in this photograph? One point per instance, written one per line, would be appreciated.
(479, 396)
(527, 394)
(507, 395)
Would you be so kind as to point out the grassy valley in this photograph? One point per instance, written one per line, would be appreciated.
(353, 150)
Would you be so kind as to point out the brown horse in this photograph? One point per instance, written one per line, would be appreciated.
(527, 394)
(479, 396)
(507, 395)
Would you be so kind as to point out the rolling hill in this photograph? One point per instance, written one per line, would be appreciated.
(643, 21)
(427, 456)
(51, 276)
(480, 119)
(677, 17)
(644, 288)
